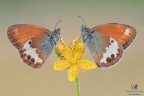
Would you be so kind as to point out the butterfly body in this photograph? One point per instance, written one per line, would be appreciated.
(47, 43)
(34, 43)
(106, 42)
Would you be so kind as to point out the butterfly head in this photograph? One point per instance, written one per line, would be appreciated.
(56, 31)
(54, 35)
(84, 28)
(86, 33)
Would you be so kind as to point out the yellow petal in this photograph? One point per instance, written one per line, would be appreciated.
(76, 42)
(65, 51)
(61, 64)
(78, 52)
(73, 72)
(86, 64)
(78, 49)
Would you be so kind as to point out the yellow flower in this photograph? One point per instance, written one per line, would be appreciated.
(72, 58)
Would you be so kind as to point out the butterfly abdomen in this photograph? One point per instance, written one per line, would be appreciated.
(46, 45)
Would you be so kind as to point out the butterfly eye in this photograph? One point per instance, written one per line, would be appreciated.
(57, 31)
(84, 28)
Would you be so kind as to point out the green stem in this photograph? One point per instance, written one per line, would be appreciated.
(78, 86)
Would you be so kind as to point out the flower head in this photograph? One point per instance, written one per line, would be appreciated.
(72, 58)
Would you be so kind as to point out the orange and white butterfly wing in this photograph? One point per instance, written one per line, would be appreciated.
(34, 43)
(106, 42)
(122, 33)
(20, 33)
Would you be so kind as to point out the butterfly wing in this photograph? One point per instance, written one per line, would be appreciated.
(18, 34)
(106, 42)
(34, 43)
(105, 50)
(124, 34)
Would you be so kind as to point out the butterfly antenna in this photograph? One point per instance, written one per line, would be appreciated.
(82, 20)
(57, 24)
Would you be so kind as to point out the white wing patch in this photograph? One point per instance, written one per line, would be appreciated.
(32, 52)
(111, 49)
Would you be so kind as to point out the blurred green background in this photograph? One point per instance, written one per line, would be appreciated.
(17, 79)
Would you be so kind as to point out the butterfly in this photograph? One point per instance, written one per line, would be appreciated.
(107, 42)
(34, 43)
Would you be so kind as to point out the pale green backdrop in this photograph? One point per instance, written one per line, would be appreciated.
(17, 79)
